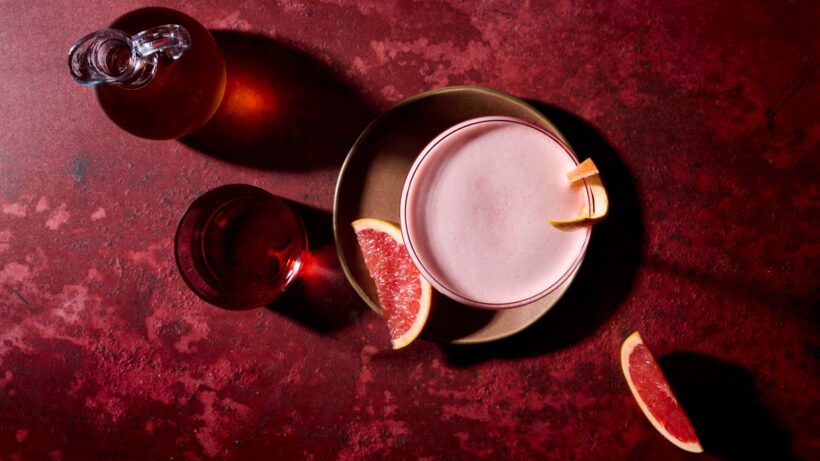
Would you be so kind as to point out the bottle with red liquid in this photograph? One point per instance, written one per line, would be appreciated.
(157, 73)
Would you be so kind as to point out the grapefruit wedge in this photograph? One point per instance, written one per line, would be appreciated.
(404, 295)
(654, 396)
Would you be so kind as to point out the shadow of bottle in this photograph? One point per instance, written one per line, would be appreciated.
(320, 298)
(720, 399)
(283, 109)
(609, 268)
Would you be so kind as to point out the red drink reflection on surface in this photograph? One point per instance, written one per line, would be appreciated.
(239, 247)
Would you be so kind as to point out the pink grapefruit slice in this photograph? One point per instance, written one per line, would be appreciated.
(654, 396)
(404, 295)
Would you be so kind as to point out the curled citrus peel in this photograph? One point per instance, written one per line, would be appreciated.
(583, 170)
(586, 171)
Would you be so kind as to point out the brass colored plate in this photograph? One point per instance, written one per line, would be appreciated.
(370, 185)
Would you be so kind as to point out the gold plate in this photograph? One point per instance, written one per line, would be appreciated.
(370, 185)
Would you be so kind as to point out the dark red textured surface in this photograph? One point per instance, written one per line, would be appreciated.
(710, 144)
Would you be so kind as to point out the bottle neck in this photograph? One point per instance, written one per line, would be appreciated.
(111, 57)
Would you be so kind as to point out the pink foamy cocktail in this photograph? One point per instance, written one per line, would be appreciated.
(475, 213)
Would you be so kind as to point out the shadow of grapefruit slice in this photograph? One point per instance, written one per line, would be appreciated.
(404, 295)
(654, 396)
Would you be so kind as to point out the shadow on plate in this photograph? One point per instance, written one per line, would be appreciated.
(283, 109)
(320, 299)
(450, 320)
(720, 399)
(607, 273)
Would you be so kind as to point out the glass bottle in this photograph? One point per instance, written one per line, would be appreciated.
(157, 73)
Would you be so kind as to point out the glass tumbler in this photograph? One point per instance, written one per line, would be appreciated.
(239, 246)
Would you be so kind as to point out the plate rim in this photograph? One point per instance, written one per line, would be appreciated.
(366, 132)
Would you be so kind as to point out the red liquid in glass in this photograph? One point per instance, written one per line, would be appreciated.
(239, 246)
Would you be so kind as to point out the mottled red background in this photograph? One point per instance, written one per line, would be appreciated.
(705, 118)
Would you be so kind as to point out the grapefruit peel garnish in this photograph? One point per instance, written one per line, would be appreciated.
(588, 172)
(404, 296)
(662, 395)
